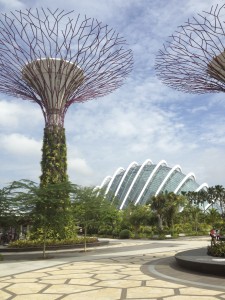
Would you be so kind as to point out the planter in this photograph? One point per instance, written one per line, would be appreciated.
(58, 247)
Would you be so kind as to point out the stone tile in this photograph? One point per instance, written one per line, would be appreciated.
(139, 277)
(131, 268)
(109, 267)
(53, 281)
(83, 281)
(150, 292)
(20, 280)
(81, 267)
(133, 272)
(69, 275)
(161, 283)
(119, 283)
(4, 295)
(37, 297)
(74, 271)
(26, 288)
(4, 284)
(106, 276)
(46, 270)
(5, 278)
(103, 272)
(102, 294)
(187, 297)
(30, 275)
(197, 291)
(69, 288)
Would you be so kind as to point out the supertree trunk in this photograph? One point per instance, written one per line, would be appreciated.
(54, 156)
(59, 223)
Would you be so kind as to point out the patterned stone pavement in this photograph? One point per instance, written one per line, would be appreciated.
(118, 277)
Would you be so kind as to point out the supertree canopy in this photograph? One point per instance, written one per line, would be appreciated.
(56, 58)
(193, 60)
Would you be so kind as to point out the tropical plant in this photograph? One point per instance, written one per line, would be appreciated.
(125, 234)
(158, 204)
(218, 249)
(137, 216)
(51, 218)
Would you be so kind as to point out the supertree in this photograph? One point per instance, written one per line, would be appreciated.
(57, 58)
(193, 60)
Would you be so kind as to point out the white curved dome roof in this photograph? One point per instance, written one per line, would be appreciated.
(138, 183)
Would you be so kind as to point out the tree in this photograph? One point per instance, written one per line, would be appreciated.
(6, 214)
(158, 204)
(173, 204)
(213, 217)
(14, 209)
(197, 198)
(86, 209)
(50, 219)
(166, 206)
(216, 195)
(110, 218)
(193, 215)
(136, 216)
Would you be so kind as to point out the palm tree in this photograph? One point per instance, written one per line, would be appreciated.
(158, 204)
(173, 205)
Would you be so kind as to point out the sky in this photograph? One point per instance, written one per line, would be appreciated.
(143, 119)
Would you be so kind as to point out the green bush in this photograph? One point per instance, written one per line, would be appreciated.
(125, 234)
(39, 243)
(217, 250)
(183, 228)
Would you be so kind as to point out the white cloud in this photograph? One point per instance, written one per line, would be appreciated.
(79, 171)
(143, 119)
(17, 144)
(18, 114)
(79, 165)
(11, 4)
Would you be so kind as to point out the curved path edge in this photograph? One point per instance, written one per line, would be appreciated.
(198, 260)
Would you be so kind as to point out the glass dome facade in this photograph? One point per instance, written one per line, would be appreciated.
(138, 183)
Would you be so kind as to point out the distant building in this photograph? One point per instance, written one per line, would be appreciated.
(138, 183)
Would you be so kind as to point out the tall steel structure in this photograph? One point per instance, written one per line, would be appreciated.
(193, 60)
(56, 58)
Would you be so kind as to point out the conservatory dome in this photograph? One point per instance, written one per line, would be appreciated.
(138, 183)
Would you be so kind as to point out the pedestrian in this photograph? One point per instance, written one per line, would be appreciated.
(213, 236)
(217, 234)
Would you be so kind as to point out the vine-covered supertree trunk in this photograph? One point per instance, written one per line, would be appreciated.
(56, 211)
(54, 156)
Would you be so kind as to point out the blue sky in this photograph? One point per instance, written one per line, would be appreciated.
(142, 119)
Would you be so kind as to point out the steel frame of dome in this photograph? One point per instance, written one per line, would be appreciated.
(152, 183)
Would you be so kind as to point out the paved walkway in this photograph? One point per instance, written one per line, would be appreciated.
(129, 270)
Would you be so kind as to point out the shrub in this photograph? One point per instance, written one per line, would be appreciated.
(125, 234)
(39, 243)
(217, 250)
